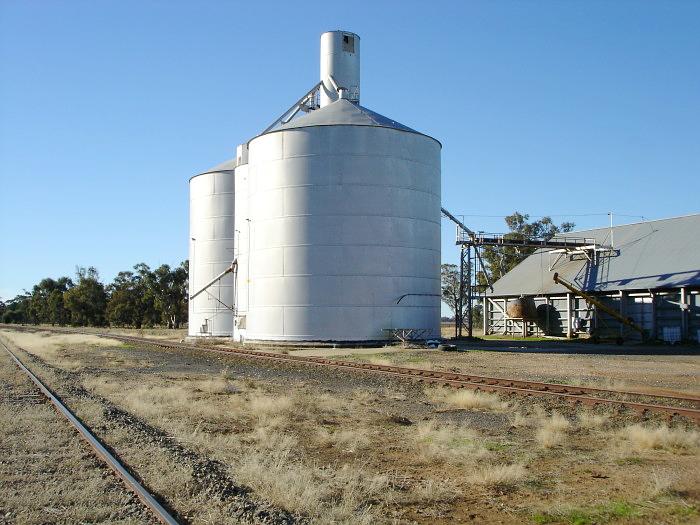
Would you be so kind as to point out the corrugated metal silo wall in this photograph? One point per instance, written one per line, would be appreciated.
(211, 252)
(345, 220)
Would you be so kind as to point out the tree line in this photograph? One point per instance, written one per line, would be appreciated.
(139, 298)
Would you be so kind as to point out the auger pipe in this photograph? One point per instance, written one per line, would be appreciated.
(231, 268)
(457, 222)
(611, 312)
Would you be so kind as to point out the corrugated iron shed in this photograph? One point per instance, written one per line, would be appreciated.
(650, 255)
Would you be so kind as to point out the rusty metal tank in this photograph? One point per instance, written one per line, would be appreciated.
(522, 308)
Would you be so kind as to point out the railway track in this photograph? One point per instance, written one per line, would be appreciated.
(132, 484)
(640, 402)
(686, 406)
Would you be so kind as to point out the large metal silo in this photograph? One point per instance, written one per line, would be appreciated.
(344, 224)
(212, 251)
(336, 234)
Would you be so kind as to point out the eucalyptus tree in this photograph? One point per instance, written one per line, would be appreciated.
(500, 260)
(87, 300)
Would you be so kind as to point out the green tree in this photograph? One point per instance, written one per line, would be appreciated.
(150, 313)
(125, 306)
(449, 280)
(87, 300)
(500, 260)
(46, 304)
(143, 297)
(170, 292)
(17, 309)
(56, 306)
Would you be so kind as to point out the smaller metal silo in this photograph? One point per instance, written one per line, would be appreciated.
(212, 251)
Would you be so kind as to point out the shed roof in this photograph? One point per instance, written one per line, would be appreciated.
(656, 254)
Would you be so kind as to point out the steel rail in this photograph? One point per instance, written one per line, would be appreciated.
(542, 386)
(485, 383)
(489, 384)
(132, 484)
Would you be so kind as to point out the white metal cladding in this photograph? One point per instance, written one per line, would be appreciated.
(211, 251)
(241, 252)
(344, 221)
(340, 58)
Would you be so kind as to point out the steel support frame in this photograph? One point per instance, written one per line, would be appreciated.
(465, 293)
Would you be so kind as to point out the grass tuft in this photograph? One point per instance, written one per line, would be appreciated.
(644, 438)
(467, 399)
(552, 430)
(498, 475)
(449, 443)
(590, 421)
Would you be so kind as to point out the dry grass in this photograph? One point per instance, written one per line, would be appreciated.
(64, 350)
(640, 438)
(432, 491)
(50, 340)
(552, 430)
(363, 396)
(266, 408)
(350, 440)
(521, 420)
(466, 399)
(591, 421)
(498, 475)
(188, 399)
(338, 459)
(423, 364)
(216, 385)
(381, 361)
(267, 451)
(448, 443)
(272, 469)
(661, 482)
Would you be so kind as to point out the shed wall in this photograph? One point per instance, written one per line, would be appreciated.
(653, 311)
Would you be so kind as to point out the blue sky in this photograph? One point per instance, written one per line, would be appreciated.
(107, 108)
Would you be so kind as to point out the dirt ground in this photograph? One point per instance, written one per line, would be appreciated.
(226, 439)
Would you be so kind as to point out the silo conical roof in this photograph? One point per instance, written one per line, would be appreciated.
(343, 112)
(228, 165)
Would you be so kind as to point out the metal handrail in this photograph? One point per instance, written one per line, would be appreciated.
(515, 238)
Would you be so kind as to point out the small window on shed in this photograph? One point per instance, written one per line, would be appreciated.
(349, 43)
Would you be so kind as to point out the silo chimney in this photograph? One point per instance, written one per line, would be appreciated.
(340, 66)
